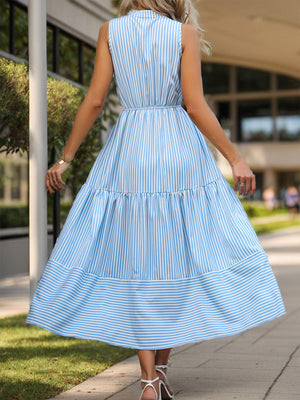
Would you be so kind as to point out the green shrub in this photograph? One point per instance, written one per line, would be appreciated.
(63, 101)
(254, 210)
(15, 216)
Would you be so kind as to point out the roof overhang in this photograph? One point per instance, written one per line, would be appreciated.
(260, 34)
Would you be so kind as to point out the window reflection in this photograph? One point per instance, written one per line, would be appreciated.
(250, 80)
(49, 48)
(289, 178)
(68, 57)
(15, 181)
(215, 78)
(88, 64)
(287, 82)
(259, 178)
(224, 117)
(4, 26)
(21, 33)
(256, 128)
(289, 127)
(288, 120)
(255, 120)
(2, 180)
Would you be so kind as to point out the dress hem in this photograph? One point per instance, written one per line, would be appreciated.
(171, 345)
(156, 314)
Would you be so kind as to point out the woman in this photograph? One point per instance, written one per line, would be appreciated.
(157, 250)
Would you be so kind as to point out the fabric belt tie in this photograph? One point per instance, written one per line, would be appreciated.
(150, 107)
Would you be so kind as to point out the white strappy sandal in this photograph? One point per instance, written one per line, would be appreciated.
(164, 386)
(149, 383)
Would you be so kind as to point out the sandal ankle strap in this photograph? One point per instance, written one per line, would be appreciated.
(149, 384)
(149, 380)
(162, 366)
(162, 372)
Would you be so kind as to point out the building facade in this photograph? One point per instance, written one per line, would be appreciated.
(260, 113)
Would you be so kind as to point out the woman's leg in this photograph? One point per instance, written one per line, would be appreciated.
(147, 358)
(162, 358)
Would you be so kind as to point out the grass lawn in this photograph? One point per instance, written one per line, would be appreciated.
(37, 364)
(257, 209)
(274, 226)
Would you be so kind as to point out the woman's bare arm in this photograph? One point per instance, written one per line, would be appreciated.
(200, 112)
(95, 97)
(89, 109)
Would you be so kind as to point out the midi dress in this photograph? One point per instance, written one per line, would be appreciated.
(157, 250)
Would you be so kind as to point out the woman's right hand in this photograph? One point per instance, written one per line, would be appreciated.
(242, 173)
(53, 178)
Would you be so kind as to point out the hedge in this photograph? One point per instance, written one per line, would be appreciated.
(63, 101)
(18, 215)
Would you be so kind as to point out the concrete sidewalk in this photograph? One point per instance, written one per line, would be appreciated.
(262, 363)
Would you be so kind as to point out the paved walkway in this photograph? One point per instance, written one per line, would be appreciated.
(262, 363)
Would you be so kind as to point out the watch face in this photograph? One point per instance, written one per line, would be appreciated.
(61, 162)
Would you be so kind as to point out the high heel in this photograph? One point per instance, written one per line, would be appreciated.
(164, 388)
(149, 383)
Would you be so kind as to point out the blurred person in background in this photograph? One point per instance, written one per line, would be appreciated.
(269, 198)
(292, 200)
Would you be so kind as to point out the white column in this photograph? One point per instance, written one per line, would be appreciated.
(270, 178)
(37, 31)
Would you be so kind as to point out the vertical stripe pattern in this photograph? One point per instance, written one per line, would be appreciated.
(157, 250)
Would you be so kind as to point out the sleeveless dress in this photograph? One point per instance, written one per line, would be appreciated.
(157, 250)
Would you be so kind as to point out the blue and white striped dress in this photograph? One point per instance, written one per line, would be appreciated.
(157, 250)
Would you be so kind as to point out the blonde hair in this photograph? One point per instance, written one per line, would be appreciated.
(180, 10)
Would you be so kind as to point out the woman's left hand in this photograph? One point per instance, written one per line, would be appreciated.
(53, 176)
(243, 174)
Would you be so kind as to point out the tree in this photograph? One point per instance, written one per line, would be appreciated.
(64, 100)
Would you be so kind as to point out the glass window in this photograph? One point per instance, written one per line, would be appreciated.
(215, 78)
(251, 80)
(15, 181)
(68, 57)
(21, 33)
(255, 122)
(257, 195)
(289, 178)
(49, 48)
(89, 54)
(4, 26)
(288, 120)
(287, 82)
(223, 115)
(2, 179)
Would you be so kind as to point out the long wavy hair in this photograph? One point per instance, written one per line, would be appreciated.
(181, 10)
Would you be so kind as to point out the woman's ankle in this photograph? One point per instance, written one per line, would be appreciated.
(161, 362)
(149, 375)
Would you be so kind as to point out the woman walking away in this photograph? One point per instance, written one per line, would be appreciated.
(157, 250)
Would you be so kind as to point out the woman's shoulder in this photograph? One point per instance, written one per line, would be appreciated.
(189, 34)
(189, 31)
(117, 19)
